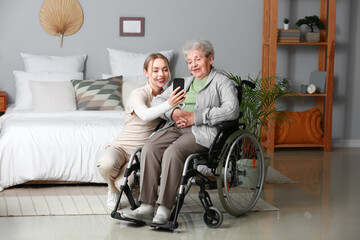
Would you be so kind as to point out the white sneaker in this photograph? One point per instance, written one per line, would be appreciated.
(111, 200)
(143, 213)
(162, 215)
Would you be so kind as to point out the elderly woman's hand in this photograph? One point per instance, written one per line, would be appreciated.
(183, 118)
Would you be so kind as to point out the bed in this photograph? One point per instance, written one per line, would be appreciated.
(60, 122)
(61, 146)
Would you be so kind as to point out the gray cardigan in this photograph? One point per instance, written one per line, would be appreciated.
(215, 103)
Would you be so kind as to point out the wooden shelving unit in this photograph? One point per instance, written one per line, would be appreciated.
(326, 48)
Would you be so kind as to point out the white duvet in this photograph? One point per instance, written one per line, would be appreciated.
(63, 146)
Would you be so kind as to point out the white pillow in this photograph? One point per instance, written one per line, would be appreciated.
(52, 96)
(130, 63)
(42, 63)
(129, 84)
(23, 99)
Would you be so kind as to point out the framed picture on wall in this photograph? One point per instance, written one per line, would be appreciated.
(132, 26)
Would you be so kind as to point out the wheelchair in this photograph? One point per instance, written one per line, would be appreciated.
(236, 162)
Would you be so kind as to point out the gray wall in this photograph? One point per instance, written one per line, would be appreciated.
(233, 26)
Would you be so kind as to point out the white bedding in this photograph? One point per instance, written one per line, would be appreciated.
(63, 146)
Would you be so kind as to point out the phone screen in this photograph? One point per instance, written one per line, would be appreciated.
(178, 82)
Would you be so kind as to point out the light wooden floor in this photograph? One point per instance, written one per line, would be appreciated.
(323, 205)
(86, 199)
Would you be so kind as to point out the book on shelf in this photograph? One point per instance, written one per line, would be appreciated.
(289, 34)
(288, 30)
(288, 39)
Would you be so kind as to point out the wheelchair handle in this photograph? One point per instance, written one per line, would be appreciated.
(240, 89)
(248, 83)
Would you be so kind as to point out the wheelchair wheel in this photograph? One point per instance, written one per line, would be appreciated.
(241, 171)
(213, 218)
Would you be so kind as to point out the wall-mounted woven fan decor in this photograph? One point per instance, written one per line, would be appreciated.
(61, 17)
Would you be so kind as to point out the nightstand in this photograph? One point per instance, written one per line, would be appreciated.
(2, 102)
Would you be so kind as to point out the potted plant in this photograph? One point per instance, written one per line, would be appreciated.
(258, 105)
(311, 21)
(283, 83)
(286, 23)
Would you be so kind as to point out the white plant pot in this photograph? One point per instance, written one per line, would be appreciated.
(312, 37)
(286, 26)
(250, 180)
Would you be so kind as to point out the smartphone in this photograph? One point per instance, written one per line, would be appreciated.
(178, 82)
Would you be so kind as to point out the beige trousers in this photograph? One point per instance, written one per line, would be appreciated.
(165, 154)
(112, 165)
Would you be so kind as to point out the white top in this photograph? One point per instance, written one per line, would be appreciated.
(139, 126)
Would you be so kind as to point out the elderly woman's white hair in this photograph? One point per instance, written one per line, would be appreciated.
(203, 45)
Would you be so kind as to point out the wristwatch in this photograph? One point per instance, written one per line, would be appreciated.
(311, 88)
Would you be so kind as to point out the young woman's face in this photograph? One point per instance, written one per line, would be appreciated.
(198, 64)
(158, 73)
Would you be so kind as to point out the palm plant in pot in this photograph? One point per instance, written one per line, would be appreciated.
(311, 21)
(258, 105)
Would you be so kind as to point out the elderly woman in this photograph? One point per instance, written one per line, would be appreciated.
(211, 98)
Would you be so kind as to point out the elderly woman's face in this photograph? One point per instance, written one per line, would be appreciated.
(198, 64)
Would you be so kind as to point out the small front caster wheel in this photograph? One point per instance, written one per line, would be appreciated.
(213, 218)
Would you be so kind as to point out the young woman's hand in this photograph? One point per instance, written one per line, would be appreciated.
(177, 97)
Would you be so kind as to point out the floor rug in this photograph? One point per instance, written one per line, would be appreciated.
(62, 200)
(275, 177)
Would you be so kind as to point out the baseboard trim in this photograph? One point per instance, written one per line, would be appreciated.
(346, 143)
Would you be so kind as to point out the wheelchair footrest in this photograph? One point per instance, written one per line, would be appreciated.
(169, 225)
(117, 215)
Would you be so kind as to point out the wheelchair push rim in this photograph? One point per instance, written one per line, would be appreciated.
(241, 174)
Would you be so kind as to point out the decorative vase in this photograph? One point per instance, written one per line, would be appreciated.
(286, 26)
(312, 37)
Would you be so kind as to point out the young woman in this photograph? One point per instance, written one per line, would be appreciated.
(140, 122)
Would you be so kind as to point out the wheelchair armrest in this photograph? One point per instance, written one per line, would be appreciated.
(227, 124)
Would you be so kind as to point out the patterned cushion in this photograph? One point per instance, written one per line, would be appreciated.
(103, 94)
